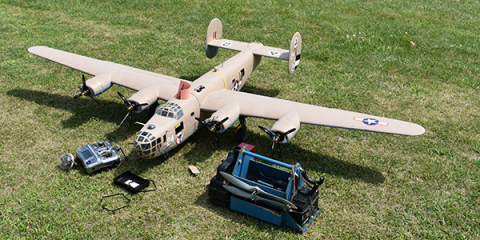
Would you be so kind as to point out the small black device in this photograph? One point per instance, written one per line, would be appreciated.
(98, 156)
(132, 182)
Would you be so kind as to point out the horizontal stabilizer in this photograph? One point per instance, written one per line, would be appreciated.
(256, 48)
(215, 41)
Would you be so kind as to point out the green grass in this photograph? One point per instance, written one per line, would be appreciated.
(416, 61)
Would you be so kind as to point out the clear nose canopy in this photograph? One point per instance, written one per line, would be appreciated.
(146, 143)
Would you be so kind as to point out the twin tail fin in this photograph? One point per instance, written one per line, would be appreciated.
(215, 41)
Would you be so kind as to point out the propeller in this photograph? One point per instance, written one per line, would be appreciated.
(84, 91)
(277, 137)
(252, 192)
(255, 197)
(213, 126)
(130, 107)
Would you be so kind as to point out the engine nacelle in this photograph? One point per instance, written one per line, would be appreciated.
(145, 97)
(230, 111)
(286, 123)
(99, 83)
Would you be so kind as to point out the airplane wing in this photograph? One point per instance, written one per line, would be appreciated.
(273, 108)
(122, 75)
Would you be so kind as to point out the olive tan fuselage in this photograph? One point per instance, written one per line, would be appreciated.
(175, 121)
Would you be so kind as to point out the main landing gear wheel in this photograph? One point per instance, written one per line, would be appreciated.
(241, 135)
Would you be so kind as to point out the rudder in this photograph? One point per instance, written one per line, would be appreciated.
(294, 53)
(214, 31)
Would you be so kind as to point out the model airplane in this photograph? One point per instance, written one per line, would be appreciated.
(216, 93)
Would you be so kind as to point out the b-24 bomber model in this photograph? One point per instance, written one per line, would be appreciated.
(217, 92)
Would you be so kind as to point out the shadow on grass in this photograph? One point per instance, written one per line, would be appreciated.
(135, 167)
(205, 147)
(190, 77)
(291, 154)
(260, 91)
(84, 109)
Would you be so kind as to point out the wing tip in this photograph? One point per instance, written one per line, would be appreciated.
(412, 129)
(35, 49)
(419, 130)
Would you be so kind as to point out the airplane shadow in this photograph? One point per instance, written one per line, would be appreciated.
(190, 77)
(291, 154)
(260, 91)
(205, 146)
(85, 109)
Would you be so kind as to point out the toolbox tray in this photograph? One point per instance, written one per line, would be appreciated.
(131, 182)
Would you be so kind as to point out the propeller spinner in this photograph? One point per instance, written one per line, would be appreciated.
(83, 90)
(213, 126)
(130, 107)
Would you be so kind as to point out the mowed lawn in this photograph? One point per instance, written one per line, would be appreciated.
(416, 61)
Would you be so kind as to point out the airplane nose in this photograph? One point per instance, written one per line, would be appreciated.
(145, 144)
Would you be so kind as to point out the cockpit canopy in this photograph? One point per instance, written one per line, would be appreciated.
(170, 110)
